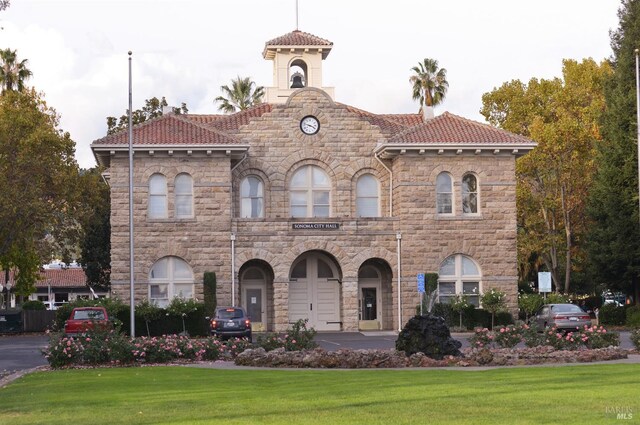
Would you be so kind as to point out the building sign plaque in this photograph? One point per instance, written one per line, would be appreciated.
(315, 226)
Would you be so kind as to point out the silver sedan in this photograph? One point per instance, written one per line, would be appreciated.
(562, 316)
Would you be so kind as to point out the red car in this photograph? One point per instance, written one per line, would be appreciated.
(83, 319)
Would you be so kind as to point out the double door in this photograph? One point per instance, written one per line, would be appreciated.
(315, 296)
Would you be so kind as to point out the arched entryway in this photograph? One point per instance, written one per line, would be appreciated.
(256, 292)
(374, 295)
(314, 291)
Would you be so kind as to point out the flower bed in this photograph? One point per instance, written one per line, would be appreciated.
(104, 347)
(113, 348)
(510, 336)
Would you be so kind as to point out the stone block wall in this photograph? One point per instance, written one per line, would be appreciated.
(344, 150)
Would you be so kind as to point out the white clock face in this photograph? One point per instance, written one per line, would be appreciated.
(309, 125)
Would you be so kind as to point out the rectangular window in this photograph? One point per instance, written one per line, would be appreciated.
(472, 291)
(367, 207)
(470, 203)
(298, 204)
(159, 295)
(184, 206)
(157, 206)
(183, 290)
(446, 292)
(321, 203)
(445, 204)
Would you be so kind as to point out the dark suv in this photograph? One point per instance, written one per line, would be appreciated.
(230, 322)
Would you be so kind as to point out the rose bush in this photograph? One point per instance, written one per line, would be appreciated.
(114, 348)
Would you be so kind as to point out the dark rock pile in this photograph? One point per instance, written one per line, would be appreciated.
(320, 358)
(368, 359)
(430, 335)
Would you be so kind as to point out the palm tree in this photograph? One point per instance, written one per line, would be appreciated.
(242, 95)
(12, 73)
(429, 83)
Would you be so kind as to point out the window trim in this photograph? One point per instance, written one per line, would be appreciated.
(463, 193)
(189, 194)
(450, 193)
(458, 278)
(309, 190)
(170, 281)
(261, 181)
(165, 213)
(377, 197)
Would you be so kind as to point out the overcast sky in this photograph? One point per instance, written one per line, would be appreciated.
(186, 49)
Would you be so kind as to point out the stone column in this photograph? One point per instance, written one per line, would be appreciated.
(349, 303)
(281, 304)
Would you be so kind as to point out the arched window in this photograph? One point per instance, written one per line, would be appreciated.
(170, 277)
(459, 275)
(184, 196)
(367, 196)
(310, 192)
(157, 196)
(469, 194)
(251, 197)
(298, 74)
(444, 194)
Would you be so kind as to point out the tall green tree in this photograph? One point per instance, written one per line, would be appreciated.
(152, 108)
(13, 73)
(242, 94)
(562, 115)
(614, 237)
(95, 242)
(38, 179)
(429, 83)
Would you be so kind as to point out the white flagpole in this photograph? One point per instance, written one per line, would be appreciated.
(131, 274)
(638, 122)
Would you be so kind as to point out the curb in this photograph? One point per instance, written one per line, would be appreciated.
(19, 374)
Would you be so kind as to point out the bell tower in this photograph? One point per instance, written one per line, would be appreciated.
(297, 62)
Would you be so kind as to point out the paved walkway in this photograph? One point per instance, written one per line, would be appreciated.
(227, 365)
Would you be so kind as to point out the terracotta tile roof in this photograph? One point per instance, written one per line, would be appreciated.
(57, 278)
(452, 129)
(389, 124)
(298, 38)
(204, 119)
(405, 119)
(170, 130)
(231, 123)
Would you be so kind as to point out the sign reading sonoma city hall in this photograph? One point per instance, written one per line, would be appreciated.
(315, 226)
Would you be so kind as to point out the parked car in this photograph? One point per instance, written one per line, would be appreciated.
(83, 319)
(230, 322)
(614, 302)
(562, 316)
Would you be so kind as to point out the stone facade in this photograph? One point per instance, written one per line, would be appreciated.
(357, 252)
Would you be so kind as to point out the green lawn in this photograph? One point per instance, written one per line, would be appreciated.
(156, 395)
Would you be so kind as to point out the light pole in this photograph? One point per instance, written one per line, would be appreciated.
(399, 240)
(638, 123)
(132, 304)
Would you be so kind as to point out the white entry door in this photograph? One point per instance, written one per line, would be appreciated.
(254, 297)
(314, 292)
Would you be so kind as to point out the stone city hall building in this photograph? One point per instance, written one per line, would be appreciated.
(306, 208)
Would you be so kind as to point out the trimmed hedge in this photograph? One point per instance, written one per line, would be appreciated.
(633, 316)
(610, 314)
(33, 305)
(471, 318)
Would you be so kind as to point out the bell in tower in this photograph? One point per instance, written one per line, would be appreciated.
(297, 81)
